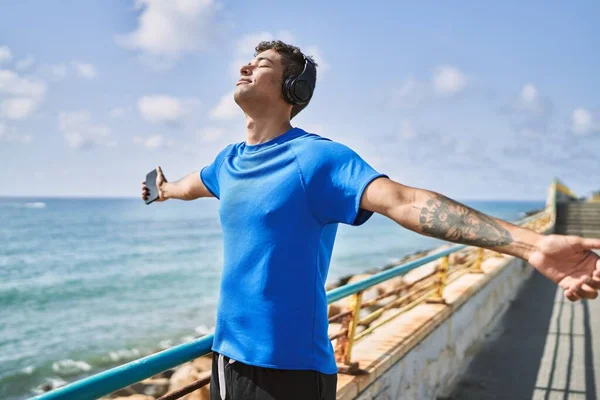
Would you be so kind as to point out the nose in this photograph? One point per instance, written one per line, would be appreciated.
(246, 70)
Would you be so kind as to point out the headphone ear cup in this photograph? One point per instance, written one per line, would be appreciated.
(288, 89)
(302, 91)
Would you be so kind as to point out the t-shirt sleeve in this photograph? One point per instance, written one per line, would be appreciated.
(210, 173)
(335, 178)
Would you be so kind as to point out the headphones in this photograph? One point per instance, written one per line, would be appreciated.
(298, 90)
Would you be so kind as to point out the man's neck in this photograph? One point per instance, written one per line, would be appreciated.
(260, 130)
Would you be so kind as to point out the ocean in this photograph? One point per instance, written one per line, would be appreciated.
(87, 284)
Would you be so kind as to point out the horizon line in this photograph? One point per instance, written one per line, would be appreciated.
(91, 197)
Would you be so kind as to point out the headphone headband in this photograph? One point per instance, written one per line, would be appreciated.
(298, 90)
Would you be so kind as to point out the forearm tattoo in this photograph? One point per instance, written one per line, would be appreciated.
(446, 219)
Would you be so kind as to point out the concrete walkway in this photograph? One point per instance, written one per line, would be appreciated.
(543, 348)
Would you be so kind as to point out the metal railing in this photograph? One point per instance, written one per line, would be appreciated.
(428, 288)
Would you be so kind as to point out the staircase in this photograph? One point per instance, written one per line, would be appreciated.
(578, 218)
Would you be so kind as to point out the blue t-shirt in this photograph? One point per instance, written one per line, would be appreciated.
(280, 205)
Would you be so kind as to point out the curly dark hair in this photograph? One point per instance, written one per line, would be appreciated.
(292, 59)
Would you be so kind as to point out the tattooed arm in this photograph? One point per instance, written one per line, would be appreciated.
(567, 260)
(436, 215)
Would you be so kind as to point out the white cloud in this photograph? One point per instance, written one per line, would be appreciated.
(163, 109)
(18, 107)
(80, 132)
(583, 122)
(530, 100)
(10, 135)
(25, 63)
(117, 112)
(84, 70)
(529, 94)
(226, 108)
(531, 112)
(5, 54)
(410, 94)
(12, 84)
(20, 96)
(152, 142)
(407, 131)
(169, 29)
(448, 80)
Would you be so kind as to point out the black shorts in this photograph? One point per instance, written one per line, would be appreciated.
(247, 382)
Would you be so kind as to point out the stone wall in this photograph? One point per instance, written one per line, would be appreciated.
(431, 366)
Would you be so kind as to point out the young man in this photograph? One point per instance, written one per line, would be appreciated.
(282, 194)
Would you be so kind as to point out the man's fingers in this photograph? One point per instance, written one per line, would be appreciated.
(571, 296)
(587, 292)
(590, 243)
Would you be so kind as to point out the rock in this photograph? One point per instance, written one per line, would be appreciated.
(336, 308)
(166, 374)
(390, 284)
(458, 258)
(185, 375)
(419, 273)
(152, 387)
(128, 391)
(203, 363)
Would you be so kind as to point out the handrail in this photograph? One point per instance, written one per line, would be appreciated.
(353, 288)
(109, 381)
(124, 375)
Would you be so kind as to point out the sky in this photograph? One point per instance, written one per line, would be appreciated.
(473, 101)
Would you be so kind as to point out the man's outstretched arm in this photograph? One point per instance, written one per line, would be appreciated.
(567, 260)
(190, 187)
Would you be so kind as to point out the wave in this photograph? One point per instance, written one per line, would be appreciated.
(37, 204)
(70, 367)
(124, 355)
(31, 204)
(203, 330)
(186, 339)
(28, 370)
(50, 384)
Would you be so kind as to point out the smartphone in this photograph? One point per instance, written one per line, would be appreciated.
(151, 185)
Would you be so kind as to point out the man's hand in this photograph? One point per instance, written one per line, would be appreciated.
(160, 181)
(570, 263)
(190, 187)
